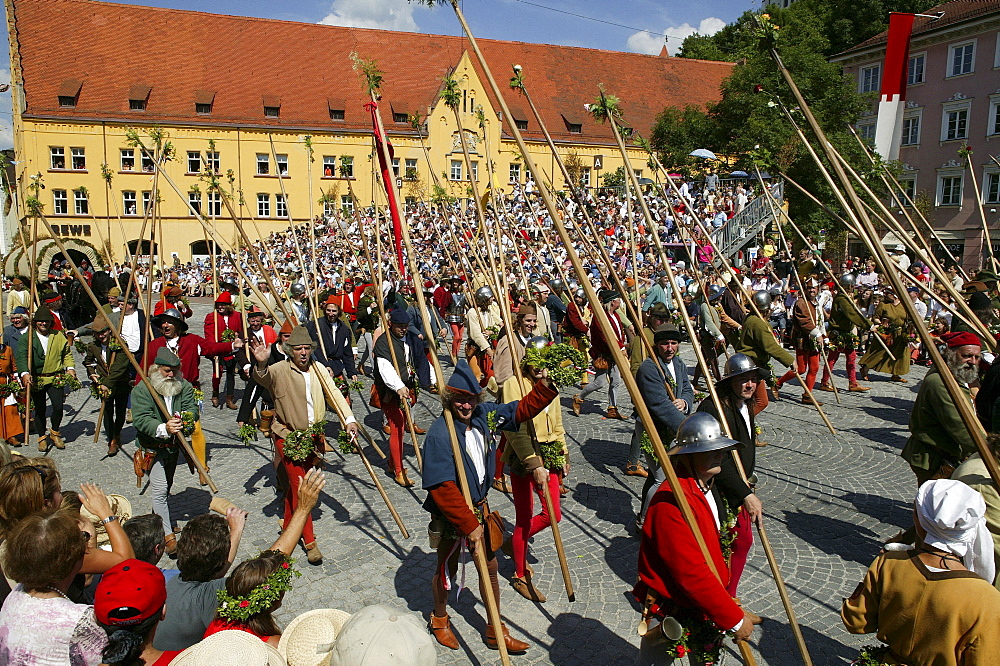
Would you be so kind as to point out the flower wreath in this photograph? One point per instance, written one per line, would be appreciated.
(261, 598)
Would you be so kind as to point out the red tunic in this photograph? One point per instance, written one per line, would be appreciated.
(191, 348)
(671, 564)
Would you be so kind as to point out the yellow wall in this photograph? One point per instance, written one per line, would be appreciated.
(238, 149)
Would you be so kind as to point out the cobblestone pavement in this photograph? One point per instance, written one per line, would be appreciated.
(829, 500)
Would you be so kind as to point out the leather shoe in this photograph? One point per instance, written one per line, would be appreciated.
(43, 443)
(526, 588)
(215, 400)
(230, 403)
(613, 413)
(403, 480)
(57, 439)
(577, 404)
(313, 554)
(636, 470)
(806, 400)
(441, 630)
(513, 645)
(897, 378)
(417, 429)
(170, 544)
(113, 448)
(825, 387)
(760, 443)
(386, 429)
(502, 484)
(858, 388)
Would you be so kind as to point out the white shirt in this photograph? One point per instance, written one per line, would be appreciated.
(310, 410)
(475, 446)
(745, 413)
(389, 376)
(161, 430)
(131, 332)
(44, 339)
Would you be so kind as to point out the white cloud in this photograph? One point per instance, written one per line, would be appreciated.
(4, 76)
(381, 14)
(6, 134)
(646, 42)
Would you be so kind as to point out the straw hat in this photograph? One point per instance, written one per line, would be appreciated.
(231, 647)
(120, 507)
(308, 640)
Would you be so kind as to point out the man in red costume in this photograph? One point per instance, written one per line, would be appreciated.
(223, 319)
(187, 346)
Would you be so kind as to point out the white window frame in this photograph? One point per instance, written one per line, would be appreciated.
(129, 201)
(194, 160)
(57, 152)
(194, 201)
(867, 83)
(127, 154)
(263, 205)
(939, 190)
(263, 164)
(455, 170)
(514, 173)
(993, 126)
(952, 51)
(281, 165)
(346, 202)
(280, 207)
(989, 173)
(347, 161)
(213, 161)
(395, 167)
(80, 153)
(329, 208)
(330, 161)
(147, 161)
(60, 202)
(147, 197)
(410, 169)
(585, 177)
(922, 56)
(908, 194)
(214, 204)
(918, 116)
(956, 107)
(81, 205)
(475, 170)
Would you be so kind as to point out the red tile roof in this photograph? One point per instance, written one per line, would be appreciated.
(954, 12)
(186, 57)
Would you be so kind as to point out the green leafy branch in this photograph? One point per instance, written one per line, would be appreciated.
(369, 72)
(450, 93)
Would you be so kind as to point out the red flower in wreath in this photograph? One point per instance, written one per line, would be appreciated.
(284, 565)
(681, 650)
(244, 603)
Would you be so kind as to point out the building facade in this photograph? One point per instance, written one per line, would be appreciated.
(276, 112)
(952, 101)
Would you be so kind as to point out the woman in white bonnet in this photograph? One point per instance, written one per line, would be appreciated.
(935, 603)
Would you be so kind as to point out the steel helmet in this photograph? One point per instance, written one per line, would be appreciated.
(848, 280)
(556, 285)
(700, 433)
(483, 296)
(714, 292)
(580, 293)
(297, 289)
(537, 342)
(762, 299)
(174, 316)
(739, 364)
(775, 291)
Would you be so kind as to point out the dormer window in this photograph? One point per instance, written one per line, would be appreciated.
(272, 106)
(69, 93)
(138, 95)
(203, 101)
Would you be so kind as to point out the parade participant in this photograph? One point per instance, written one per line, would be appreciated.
(61, 322)
(973, 473)
(656, 316)
(807, 338)
(11, 421)
(731, 312)
(893, 324)
(540, 293)
(668, 413)
(982, 310)
(675, 579)
(299, 404)
(108, 369)
(738, 395)
(454, 315)
(537, 455)
(156, 434)
(846, 321)
(18, 326)
(710, 335)
(297, 304)
(134, 326)
(252, 392)
(939, 440)
(934, 604)
(557, 307)
(19, 296)
(506, 362)
(367, 322)
(114, 303)
(172, 298)
(476, 425)
(484, 320)
(603, 360)
(337, 340)
(51, 356)
(758, 342)
(188, 346)
(391, 389)
(224, 318)
(576, 326)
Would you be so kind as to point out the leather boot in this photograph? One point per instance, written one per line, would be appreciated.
(57, 439)
(43, 443)
(215, 399)
(418, 430)
(577, 404)
(441, 630)
(230, 403)
(13, 442)
(526, 588)
(313, 554)
(113, 447)
(513, 645)
(403, 480)
(613, 413)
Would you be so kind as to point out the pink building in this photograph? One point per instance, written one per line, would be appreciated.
(952, 99)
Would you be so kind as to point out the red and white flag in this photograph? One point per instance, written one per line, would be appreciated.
(889, 126)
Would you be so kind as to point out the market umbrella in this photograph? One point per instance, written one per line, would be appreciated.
(702, 152)
(740, 174)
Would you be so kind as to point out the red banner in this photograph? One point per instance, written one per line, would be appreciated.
(897, 55)
(390, 193)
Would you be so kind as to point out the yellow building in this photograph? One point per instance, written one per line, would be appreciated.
(241, 96)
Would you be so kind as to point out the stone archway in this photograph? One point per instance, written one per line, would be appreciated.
(18, 261)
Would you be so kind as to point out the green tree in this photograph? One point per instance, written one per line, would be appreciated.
(614, 178)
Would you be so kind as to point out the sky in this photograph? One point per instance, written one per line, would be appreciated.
(641, 26)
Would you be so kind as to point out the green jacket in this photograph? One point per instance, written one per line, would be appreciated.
(757, 341)
(937, 432)
(56, 358)
(146, 416)
(844, 315)
(115, 374)
(637, 350)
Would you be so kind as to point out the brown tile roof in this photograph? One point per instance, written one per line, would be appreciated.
(956, 11)
(241, 63)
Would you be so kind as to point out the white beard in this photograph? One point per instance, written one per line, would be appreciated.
(165, 387)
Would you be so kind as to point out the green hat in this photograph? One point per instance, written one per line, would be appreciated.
(167, 358)
(300, 336)
(44, 314)
(658, 310)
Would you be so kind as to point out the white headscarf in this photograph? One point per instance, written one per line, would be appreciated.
(954, 516)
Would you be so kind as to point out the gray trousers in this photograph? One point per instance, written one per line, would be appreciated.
(161, 478)
(365, 349)
(610, 377)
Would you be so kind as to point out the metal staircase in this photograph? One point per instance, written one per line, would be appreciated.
(743, 228)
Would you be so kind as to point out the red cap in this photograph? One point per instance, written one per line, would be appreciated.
(289, 324)
(961, 338)
(224, 297)
(129, 592)
(333, 299)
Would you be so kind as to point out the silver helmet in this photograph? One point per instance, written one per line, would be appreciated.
(537, 342)
(297, 289)
(556, 285)
(580, 293)
(700, 433)
(739, 364)
(848, 280)
(762, 299)
(483, 296)
(715, 292)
